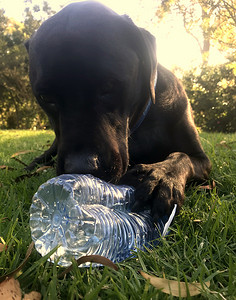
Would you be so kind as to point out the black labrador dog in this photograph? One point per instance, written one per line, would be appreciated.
(116, 112)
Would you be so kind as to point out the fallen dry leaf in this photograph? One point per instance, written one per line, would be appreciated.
(225, 144)
(22, 152)
(173, 287)
(10, 289)
(93, 259)
(4, 167)
(43, 168)
(210, 186)
(21, 265)
(2, 220)
(32, 296)
(2, 247)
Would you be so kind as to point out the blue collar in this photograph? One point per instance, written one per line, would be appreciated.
(141, 119)
(145, 112)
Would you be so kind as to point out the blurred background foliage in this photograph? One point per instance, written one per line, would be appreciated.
(211, 88)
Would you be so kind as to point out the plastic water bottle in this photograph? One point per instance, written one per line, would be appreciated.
(85, 215)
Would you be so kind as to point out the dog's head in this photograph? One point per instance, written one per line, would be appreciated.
(93, 72)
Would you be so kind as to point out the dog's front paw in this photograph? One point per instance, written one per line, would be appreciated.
(157, 186)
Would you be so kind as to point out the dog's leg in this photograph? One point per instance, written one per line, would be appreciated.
(46, 158)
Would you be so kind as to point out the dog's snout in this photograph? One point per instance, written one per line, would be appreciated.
(81, 164)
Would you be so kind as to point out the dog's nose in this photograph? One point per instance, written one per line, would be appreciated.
(81, 164)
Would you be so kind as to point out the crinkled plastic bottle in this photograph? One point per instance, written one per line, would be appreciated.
(85, 215)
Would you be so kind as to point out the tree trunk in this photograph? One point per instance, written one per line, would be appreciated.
(206, 36)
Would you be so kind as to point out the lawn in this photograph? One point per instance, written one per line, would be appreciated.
(201, 245)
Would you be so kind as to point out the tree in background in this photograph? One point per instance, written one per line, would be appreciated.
(211, 89)
(212, 94)
(209, 22)
(18, 108)
(14, 84)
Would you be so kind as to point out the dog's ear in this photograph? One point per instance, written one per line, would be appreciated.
(145, 45)
(150, 59)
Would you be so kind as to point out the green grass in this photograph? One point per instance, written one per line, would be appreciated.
(199, 250)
